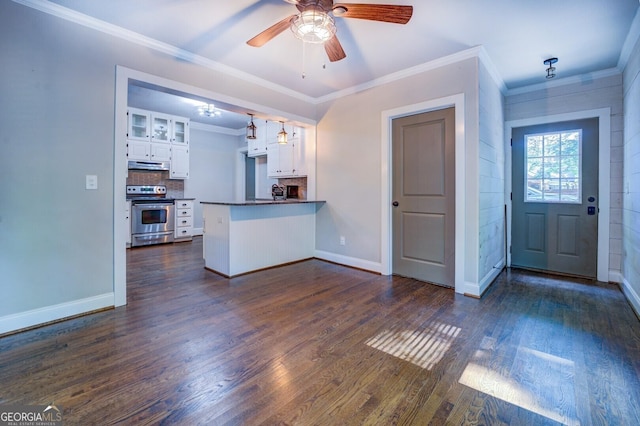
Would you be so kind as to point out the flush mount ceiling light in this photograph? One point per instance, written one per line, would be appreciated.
(251, 129)
(551, 71)
(209, 110)
(313, 25)
(282, 135)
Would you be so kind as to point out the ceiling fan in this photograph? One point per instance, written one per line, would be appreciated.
(315, 24)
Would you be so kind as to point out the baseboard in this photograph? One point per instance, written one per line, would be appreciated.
(22, 320)
(354, 262)
(198, 231)
(615, 277)
(490, 277)
(631, 295)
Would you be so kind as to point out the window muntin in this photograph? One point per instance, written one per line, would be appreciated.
(553, 164)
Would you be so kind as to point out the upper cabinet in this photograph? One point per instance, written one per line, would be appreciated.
(139, 125)
(180, 130)
(160, 128)
(286, 160)
(258, 146)
(153, 136)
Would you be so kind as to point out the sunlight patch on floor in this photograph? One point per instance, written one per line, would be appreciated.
(537, 381)
(424, 348)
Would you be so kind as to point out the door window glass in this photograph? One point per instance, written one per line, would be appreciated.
(553, 167)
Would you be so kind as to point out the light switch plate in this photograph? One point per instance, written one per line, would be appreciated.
(91, 182)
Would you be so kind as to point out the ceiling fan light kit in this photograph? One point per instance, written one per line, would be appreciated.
(315, 24)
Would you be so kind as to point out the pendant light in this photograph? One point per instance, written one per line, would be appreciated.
(251, 129)
(282, 135)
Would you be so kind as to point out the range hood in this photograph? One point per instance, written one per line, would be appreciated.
(148, 165)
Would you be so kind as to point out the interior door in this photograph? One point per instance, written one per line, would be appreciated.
(423, 212)
(555, 197)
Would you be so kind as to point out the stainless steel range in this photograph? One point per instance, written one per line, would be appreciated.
(152, 215)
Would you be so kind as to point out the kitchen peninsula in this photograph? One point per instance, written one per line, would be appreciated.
(246, 236)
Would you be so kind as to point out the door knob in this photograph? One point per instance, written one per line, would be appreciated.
(395, 204)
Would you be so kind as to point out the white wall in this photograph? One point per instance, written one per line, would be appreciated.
(630, 256)
(57, 240)
(212, 167)
(585, 94)
(491, 172)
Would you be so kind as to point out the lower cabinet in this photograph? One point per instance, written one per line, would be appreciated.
(184, 220)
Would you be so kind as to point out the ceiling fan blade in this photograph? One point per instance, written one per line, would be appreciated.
(374, 12)
(270, 32)
(334, 49)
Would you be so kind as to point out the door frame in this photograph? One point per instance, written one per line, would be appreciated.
(457, 102)
(604, 177)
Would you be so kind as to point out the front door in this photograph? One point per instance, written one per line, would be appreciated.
(423, 215)
(555, 197)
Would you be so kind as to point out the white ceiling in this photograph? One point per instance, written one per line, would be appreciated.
(586, 35)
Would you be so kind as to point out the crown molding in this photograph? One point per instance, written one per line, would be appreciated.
(399, 75)
(630, 42)
(133, 37)
(492, 69)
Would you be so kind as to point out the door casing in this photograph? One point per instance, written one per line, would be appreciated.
(604, 178)
(456, 101)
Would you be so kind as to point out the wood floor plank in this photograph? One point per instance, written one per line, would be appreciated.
(318, 343)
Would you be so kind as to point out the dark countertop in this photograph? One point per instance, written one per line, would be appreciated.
(260, 202)
(186, 199)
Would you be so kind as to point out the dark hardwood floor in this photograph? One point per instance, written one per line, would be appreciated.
(315, 343)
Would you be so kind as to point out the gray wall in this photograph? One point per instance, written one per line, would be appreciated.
(57, 119)
(631, 181)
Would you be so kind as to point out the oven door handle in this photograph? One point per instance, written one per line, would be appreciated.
(152, 206)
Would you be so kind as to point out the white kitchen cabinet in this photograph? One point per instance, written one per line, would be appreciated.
(160, 128)
(160, 152)
(159, 137)
(138, 150)
(286, 160)
(258, 146)
(180, 130)
(179, 167)
(139, 124)
(184, 220)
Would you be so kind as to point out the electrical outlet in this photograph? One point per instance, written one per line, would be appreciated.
(343, 240)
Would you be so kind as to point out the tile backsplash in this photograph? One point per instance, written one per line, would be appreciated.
(300, 181)
(175, 188)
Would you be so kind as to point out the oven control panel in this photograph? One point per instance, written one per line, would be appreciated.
(143, 190)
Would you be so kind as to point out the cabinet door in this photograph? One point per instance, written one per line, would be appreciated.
(258, 146)
(285, 159)
(273, 161)
(180, 130)
(160, 128)
(179, 162)
(160, 152)
(138, 124)
(138, 150)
